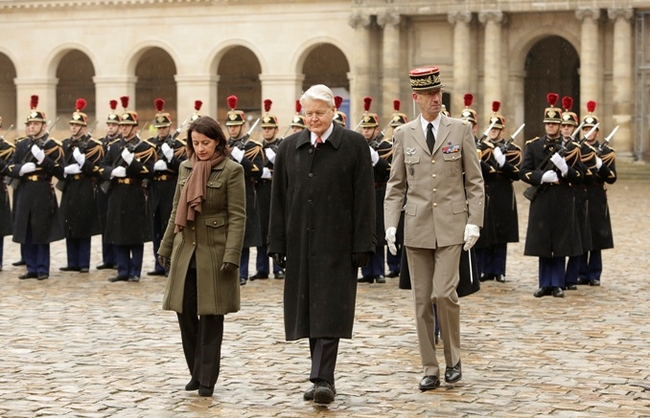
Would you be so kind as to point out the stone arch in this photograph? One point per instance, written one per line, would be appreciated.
(74, 74)
(8, 95)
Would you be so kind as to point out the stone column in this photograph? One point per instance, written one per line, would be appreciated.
(491, 61)
(360, 83)
(109, 88)
(462, 59)
(622, 80)
(514, 112)
(190, 88)
(590, 60)
(45, 89)
(390, 82)
(283, 90)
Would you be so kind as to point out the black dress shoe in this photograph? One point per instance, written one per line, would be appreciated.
(582, 280)
(134, 279)
(380, 279)
(542, 291)
(366, 279)
(206, 390)
(83, 270)
(242, 281)
(19, 263)
(279, 275)
(104, 266)
(570, 287)
(68, 268)
(156, 273)
(118, 279)
(453, 374)
(43, 276)
(309, 393)
(558, 292)
(500, 278)
(259, 276)
(28, 275)
(323, 392)
(193, 384)
(392, 274)
(429, 383)
(594, 282)
(486, 277)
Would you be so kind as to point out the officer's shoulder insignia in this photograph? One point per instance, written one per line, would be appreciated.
(17, 140)
(183, 143)
(56, 141)
(254, 142)
(95, 141)
(488, 144)
(463, 121)
(515, 146)
(146, 141)
(532, 140)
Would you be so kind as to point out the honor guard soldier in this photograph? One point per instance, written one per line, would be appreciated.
(470, 114)
(339, 116)
(298, 122)
(603, 172)
(380, 153)
(126, 165)
(112, 136)
(197, 109)
(10, 181)
(552, 233)
(500, 162)
(6, 220)
(36, 224)
(250, 155)
(271, 143)
(81, 158)
(160, 191)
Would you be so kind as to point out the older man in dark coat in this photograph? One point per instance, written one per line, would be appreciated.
(322, 228)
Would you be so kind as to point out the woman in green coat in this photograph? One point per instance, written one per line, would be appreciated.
(201, 249)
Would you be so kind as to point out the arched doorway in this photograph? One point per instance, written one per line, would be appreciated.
(8, 95)
(239, 74)
(326, 64)
(155, 72)
(552, 65)
(75, 74)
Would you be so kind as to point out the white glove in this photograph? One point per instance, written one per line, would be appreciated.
(374, 156)
(168, 152)
(599, 163)
(38, 153)
(79, 156)
(160, 165)
(27, 168)
(127, 156)
(549, 177)
(237, 154)
(472, 232)
(560, 163)
(270, 155)
(118, 172)
(498, 155)
(266, 173)
(390, 239)
(72, 169)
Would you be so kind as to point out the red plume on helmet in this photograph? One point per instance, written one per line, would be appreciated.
(113, 104)
(267, 105)
(591, 106)
(232, 102)
(159, 104)
(468, 98)
(567, 103)
(80, 105)
(551, 98)
(496, 105)
(298, 106)
(396, 105)
(125, 102)
(338, 100)
(367, 101)
(197, 105)
(33, 102)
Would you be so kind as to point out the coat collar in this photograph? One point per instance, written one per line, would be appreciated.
(443, 133)
(219, 166)
(334, 139)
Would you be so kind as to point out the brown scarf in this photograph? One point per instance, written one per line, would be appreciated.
(193, 193)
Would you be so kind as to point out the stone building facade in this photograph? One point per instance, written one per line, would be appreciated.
(181, 50)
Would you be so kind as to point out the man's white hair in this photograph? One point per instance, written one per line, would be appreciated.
(318, 92)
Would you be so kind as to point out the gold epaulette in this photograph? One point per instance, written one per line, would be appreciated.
(114, 140)
(56, 141)
(17, 140)
(255, 142)
(532, 140)
(182, 142)
(146, 141)
(96, 141)
(512, 144)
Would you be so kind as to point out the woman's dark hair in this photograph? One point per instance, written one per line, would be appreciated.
(209, 127)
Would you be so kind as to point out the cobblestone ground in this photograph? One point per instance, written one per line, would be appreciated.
(76, 345)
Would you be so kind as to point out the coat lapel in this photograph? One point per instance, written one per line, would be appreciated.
(418, 135)
(443, 132)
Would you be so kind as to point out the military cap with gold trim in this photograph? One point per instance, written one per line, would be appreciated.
(163, 119)
(568, 117)
(468, 113)
(590, 120)
(552, 114)
(234, 117)
(298, 120)
(78, 117)
(268, 120)
(129, 117)
(499, 120)
(339, 117)
(425, 78)
(197, 108)
(113, 117)
(398, 118)
(368, 120)
(35, 115)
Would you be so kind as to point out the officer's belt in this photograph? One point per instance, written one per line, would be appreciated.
(127, 180)
(37, 177)
(75, 177)
(165, 177)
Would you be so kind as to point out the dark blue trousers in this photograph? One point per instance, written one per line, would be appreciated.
(572, 268)
(108, 254)
(492, 260)
(591, 265)
(243, 263)
(158, 233)
(78, 252)
(394, 261)
(262, 262)
(129, 260)
(375, 266)
(551, 271)
(36, 256)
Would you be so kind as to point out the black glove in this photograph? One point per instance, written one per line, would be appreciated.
(280, 259)
(228, 267)
(360, 259)
(164, 261)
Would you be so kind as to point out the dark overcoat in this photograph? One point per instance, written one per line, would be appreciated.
(6, 218)
(600, 222)
(552, 220)
(253, 163)
(322, 211)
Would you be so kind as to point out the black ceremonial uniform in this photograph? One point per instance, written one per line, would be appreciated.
(6, 219)
(264, 206)
(108, 251)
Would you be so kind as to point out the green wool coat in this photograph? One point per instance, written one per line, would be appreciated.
(216, 236)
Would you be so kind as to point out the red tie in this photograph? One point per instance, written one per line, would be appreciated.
(319, 141)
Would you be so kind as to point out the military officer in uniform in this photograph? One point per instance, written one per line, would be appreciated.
(500, 161)
(160, 191)
(6, 220)
(339, 116)
(35, 161)
(126, 165)
(250, 155)
(270, 143)
(603, 173)
(552, 233)
(298, 122)
(81, 158)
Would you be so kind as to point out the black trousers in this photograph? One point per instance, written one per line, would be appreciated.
(323, 359)
(201, 336)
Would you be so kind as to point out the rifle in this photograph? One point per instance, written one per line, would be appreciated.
(487, 131)
(131, 145)
(244, 138)
(179, 129)
(504, 146)
(605, 142)
(531, 191)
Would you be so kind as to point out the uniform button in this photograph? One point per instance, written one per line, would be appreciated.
(434, 176)
(192, 228)
(435, 190)
(435, 205)
(193, 243)
(311, 150)
(311, 202)
(311, 174)
(433, 161)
